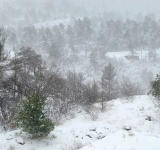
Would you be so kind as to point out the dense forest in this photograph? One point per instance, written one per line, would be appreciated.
(89, 33)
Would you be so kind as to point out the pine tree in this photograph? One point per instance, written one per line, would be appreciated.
(108, 81)
(32, 117)
(93, 60)
(155, 91)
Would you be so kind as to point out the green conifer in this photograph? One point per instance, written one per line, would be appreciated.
(32, 117)
(155, 91)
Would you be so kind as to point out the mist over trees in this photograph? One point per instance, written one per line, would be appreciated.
(31, 11)
(69, 63)
(89, 33)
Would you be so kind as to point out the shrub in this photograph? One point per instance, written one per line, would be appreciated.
(155, 91)
(75, 146)
(31, 117)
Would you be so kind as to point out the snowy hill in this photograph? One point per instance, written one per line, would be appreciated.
(127, 141)
(99, 130)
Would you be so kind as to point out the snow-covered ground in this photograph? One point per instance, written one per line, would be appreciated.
(142, 54)
(105, 131)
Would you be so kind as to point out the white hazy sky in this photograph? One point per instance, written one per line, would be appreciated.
(134, 6)
(123, 5)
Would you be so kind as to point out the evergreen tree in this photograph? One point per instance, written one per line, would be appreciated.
(108, 81)
(70, 36)
(29, 36)
(87, 29)
(94, 60)
(79, 32)
(155, 91)
(32, 117)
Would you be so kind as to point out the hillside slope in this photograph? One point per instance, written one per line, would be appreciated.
(105, 131)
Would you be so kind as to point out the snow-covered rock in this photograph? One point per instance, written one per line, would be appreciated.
(20, 140)
(128, 128)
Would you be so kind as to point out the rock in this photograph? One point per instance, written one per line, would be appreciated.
(76, 134)
(9, 137)
(92, 129)
(89, 136)
(92, 135)
(19, 140)
(148, 118)
(127, 128)
(101, 137)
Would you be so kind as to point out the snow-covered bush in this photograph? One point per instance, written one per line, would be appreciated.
(75, 146)
(129, 88)
(32, 118)
(92, 112)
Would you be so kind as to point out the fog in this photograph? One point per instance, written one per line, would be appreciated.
(85, 7)
(79, 35)
(77, 52)
(133, 6)
(115, 5)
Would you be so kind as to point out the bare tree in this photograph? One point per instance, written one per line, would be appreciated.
(103, 99)
(2, 43)
(30, 75)
(128, 88)
(152, 54)
(91, 93)
(75, 86)
(5, 98)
